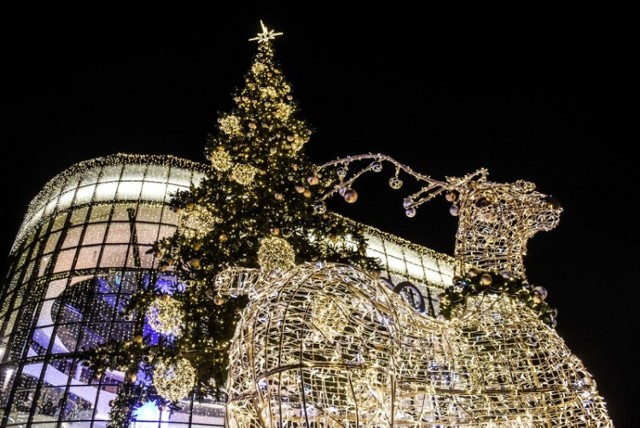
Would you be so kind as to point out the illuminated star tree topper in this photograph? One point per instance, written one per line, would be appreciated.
(266, 35)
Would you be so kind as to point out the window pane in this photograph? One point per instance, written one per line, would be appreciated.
(73, 237)
(94, 234)
(64, 261)
(119, 233)
(88, 257)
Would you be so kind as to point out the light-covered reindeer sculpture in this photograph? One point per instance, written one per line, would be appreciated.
(329, 345)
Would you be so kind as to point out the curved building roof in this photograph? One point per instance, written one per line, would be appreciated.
(118, 177)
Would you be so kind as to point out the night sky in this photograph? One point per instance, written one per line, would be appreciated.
(529, 92)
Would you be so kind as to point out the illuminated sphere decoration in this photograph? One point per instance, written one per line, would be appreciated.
(195, 221)
(165, 315)
(221, 160)
(276, 253)
(174, 380)
(230, 125)
(243, 174)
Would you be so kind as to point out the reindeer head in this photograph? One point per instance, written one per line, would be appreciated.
(497, 220)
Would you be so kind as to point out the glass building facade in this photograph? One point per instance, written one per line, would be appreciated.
(81, 250)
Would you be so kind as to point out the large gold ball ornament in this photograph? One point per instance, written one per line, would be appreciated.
(307, 193)
(195, 263)
(276, 253)
(221, 160)
(313, 180)
(486, 279)
(137, 338)
(350, 196)
(223, 238)
(243, 174)
(174, 380)
(165, 315)
(278, 196)
(300, 189)
(219, 300)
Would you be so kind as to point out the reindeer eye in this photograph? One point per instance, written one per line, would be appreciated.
(552, 202)
(483, 202)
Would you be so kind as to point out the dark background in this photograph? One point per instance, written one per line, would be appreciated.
(534, 92)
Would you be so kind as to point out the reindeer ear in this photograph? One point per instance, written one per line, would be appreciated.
(553, 202)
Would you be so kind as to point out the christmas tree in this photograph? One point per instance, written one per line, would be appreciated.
(255, 209)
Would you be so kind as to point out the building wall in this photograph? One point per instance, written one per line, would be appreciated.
(81, 250)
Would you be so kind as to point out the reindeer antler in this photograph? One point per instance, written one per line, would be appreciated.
(496, 219)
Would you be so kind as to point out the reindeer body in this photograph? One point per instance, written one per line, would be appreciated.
(328, 345)
(331, 346)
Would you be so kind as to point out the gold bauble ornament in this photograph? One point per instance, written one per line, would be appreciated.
(444, 299)
(451, 196)
(350, 196)
(132, 376)
(137, 338)
(219, 300)
(275, 231)
(223, 238)
(195, 263)
(486, 279)
(275, 253)
(313, 180)
(307, 193)
(300, 189)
